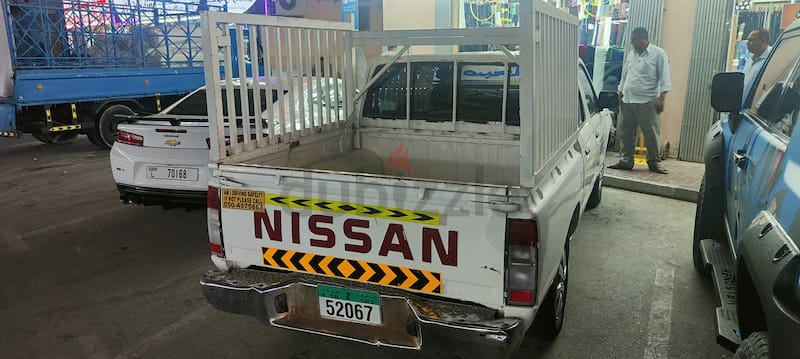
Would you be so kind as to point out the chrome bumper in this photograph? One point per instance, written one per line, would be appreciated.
(289, 300)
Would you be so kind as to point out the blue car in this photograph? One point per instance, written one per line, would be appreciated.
(747, 225)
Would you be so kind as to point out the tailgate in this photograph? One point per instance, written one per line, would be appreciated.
(426, 237)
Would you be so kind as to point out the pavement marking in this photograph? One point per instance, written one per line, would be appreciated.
(659, 324)
(140, 349)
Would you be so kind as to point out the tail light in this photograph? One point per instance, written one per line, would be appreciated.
(522, 261)
(130, 138)
(208, 143)
(214, 223)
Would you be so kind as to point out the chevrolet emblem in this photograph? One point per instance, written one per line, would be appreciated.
(172, 143)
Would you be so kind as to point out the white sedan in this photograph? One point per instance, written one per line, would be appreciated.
(162, 159)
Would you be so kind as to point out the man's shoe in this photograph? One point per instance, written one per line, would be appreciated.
(657, 168)
(621, 166)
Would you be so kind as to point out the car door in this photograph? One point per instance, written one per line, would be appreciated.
(589, 130)
(766, 150)
(760, 142)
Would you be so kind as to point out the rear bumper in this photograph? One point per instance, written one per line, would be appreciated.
(159, 196)
(289, 300)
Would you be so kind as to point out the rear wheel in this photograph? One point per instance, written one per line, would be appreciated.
(105, 131)
(57, 138)
(756, 346)
(708, 224)
(550, 318)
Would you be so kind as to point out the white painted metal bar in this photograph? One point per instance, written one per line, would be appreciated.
(290, 81)
(317, 78)
(336, 77)
(455, 93)
(253, 33)
(526, 92)
(241, 51)
(212, 78)
(504, 110)
(309, 83)
(281, 88)
(348, 82)
(230, 117)
(278, 21)
(301, 99)
(409, 89)
(329, 77)
(265, 35)
(447, 37)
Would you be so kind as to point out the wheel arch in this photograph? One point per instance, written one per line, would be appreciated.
(749, 310)
(714, 159)
(132, 103)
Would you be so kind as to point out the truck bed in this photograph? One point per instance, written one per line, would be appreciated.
(430, 156)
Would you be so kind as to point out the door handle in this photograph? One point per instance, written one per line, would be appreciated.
(740, 159)
(597, 135)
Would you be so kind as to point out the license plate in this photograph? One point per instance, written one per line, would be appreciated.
(173, 173)
(349, 305)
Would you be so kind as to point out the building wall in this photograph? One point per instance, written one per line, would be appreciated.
(676, 40)
(409, 14)
(324, 10)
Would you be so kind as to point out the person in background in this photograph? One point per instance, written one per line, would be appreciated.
(642, 91)
(758, 45)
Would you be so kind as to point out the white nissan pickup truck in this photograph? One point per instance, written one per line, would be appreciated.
(435, 213)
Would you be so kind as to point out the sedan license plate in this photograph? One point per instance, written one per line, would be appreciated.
(349, 305)
(173, 173)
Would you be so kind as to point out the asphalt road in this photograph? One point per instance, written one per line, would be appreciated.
(82, 276)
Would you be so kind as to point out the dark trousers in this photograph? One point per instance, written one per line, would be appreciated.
(635, 116)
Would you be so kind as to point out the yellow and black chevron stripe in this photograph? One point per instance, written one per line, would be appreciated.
(65, 128)
(360, 271)
(8, 134)
(357, 209)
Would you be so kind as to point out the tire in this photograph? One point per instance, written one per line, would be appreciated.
(550, 319)
(57, 138)
(707, 224)
(597, 192)
(94, 138)
(756, 346)
(104, 132)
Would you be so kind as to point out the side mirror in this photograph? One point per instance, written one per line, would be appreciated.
(726, 92)
(609, 100)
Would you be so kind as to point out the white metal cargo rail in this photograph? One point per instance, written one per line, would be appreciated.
(292, 51)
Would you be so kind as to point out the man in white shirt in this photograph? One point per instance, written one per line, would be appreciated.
(642, 91)
(758, 45)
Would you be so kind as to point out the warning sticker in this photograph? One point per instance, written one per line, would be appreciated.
(242, 199)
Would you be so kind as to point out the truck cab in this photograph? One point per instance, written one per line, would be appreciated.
(747, 223)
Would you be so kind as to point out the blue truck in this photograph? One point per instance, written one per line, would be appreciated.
(747, 224)
(76, 66)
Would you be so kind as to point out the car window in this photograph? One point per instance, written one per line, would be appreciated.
(588, 92)
(432, 91)
(769, 87)
(480, 93)
(768, 107)
(788, 109)
(386, 98)
(195, 103)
